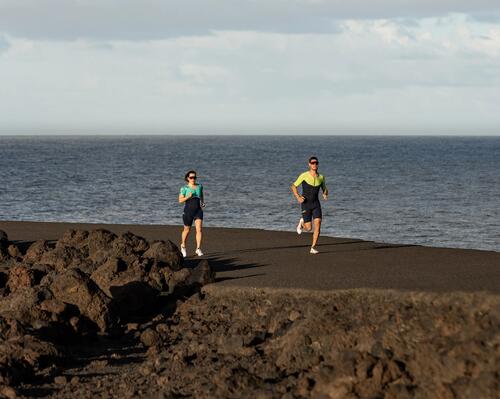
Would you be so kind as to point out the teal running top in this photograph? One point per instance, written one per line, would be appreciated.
(196, 191)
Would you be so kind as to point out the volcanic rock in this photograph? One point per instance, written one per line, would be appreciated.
(128, 246)
(21, 354)
(20, 276)
(14, 252)
(106, 273)
(175, 280)
(24, 305)
(202, 274)
(71, 250)
(166, 254)
(75, 287)
(59, 311)
(10, 328)
(128, 285)
(22, 357)
(36, 250)
(63, 257)
(8, 392)
(60, 380)
(134, 278)
(74, 238)
(150, 337)
(100, 243)
(3, 279)
(86, 281)
(4, 243)
(12, 369)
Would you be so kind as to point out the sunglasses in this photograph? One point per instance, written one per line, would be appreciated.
(192, 177)
(314, 163)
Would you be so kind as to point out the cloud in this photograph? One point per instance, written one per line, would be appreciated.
(492, 16)
(369, 74)
(157, 19)
(4, 44)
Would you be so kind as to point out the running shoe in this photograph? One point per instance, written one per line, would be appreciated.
(313, 251)
(198, 252)
(183, 251)
(300, 225)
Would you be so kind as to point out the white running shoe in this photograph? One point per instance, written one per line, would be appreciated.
(300, 225)
(313, 251)
(198, 252)
(183, 251)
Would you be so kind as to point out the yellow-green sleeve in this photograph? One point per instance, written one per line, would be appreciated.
(299, 180)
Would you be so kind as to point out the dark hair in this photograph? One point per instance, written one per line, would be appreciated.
(312, 159)
(188, 173)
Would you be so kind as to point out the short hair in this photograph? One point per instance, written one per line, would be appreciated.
(188, 173)
(312, 159)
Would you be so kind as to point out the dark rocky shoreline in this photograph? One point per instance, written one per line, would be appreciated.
(95, 314)
(85, 289)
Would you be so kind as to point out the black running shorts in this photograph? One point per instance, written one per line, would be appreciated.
(189, 215)
(311, 213)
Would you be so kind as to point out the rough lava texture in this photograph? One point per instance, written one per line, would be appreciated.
(4, 244)
(60, 298)
(76, 288)
(116, 316)
(265, 343)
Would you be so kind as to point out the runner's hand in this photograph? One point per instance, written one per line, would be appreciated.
(325, 196)
(189, 195)
(203, 205)
(301, 199)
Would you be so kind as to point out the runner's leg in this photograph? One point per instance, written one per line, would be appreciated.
(317, 230)
(185, 234)
(307, 216)
(199, 232)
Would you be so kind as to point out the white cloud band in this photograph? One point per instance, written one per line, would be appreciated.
(370, 75)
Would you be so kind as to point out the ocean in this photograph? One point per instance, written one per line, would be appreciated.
(435, 191)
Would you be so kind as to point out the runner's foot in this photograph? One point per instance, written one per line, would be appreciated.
(300, 225)
(183, 251)
(198, 252)
(313, 251)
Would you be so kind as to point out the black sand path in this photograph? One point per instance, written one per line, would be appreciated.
(258, 258)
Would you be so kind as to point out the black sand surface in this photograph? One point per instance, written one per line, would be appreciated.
(258, 258)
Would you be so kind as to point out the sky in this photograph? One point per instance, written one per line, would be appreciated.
(250, 67)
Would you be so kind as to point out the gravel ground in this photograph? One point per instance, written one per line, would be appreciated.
(233, 342)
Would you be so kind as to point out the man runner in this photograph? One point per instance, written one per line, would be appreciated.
(311, 182)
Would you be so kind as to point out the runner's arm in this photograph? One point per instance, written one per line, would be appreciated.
(324, 188)
(202, 197)
(183, 198)
(295, 192)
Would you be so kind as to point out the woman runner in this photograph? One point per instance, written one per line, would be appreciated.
(191, 195)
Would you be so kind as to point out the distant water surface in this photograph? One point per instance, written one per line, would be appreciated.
(438, 191)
